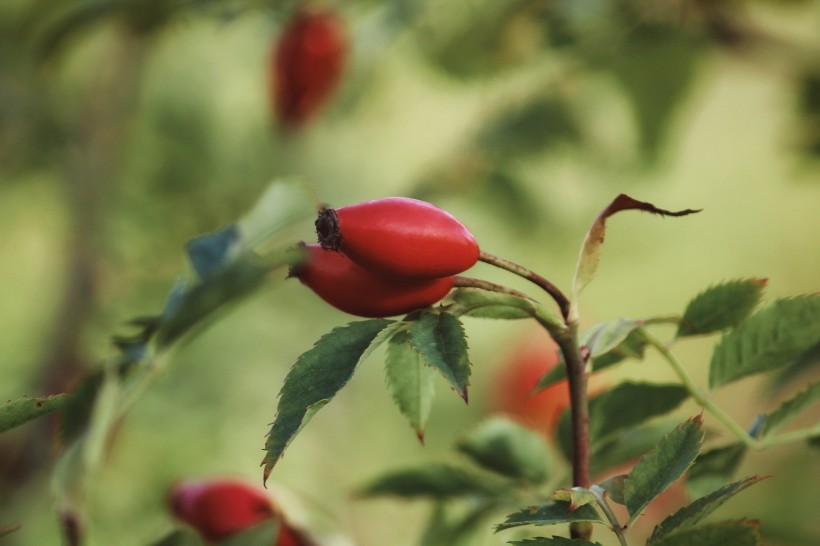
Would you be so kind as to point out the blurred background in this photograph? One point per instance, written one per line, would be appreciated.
(129, 126)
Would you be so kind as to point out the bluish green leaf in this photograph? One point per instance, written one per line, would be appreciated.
(440, 339)
(505, 447)
(727, 533)
(775, 336)
(437, 481)
(410, 381)
(552, 513)
(315, 379)
(692, 514)
(713, 468)
(475, 302)
(659, 468)
(623, 408)
(553, 541)
(590, 255)
(20, 411)
(210, 252)
(790, 408)
(180, 537)
(261, 534)
(720, 307)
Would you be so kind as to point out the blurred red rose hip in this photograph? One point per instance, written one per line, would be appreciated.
(220, 508)
(307, 63)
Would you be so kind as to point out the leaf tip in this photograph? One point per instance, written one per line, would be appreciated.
(420, 436)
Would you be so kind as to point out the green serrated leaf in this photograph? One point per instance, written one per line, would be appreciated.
(713, 468)
(437, 481)
(623, 408)
(628, 446)
(439, 338)
(552, 513)
(554, 541)
(659, 468)
(410, 380)
(590, 256)
(21, 411)
(261, 534)
(475, 302)
(210, 252)
(507, 448)
(315, 379)
(790, 408)
(614, 487)
(773, 337)
(720, 307)
(179, 537)
(727, 533)
(605, 336)
(692, 514)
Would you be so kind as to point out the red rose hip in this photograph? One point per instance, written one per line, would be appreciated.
(220, 508)
(308, 61)
(353, 289)
(399, 237)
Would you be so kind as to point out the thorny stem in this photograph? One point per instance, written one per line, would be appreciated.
(521, 271)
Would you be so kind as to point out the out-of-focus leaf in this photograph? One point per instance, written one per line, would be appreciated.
(475, 302)
(285, 203)
(632, 346)
(9, 529)
(438, 481)
(692, 514)
(590, 255)
(315, 379)
(659, 468)
(179, 537)
(623, 408)
(808, 361)
(605, 336)
(713, 468)
(775, 336)
(809, 111)
(209, 253)
(554, 541)
(440, 340)
(20, 411)
(529, 128)
(505, 447)
(261, 534)
(460, 529)
(552, 513)
(78, 407)
(410, 381)
(727, 533)
(720, 307)
(790, 408)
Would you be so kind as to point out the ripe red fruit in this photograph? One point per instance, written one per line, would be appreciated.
(219, 508)
(512, 392)
(308, 61)
(358, 291)
(399, 237)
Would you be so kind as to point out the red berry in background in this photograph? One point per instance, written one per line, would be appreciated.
(355, 290)
(399, 237)
(512, 392)
(220, 508)
(308, 61)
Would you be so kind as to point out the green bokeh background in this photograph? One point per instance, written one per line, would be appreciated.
(183, 142)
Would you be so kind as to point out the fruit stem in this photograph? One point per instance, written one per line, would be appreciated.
(521, 271)
(470, 282)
